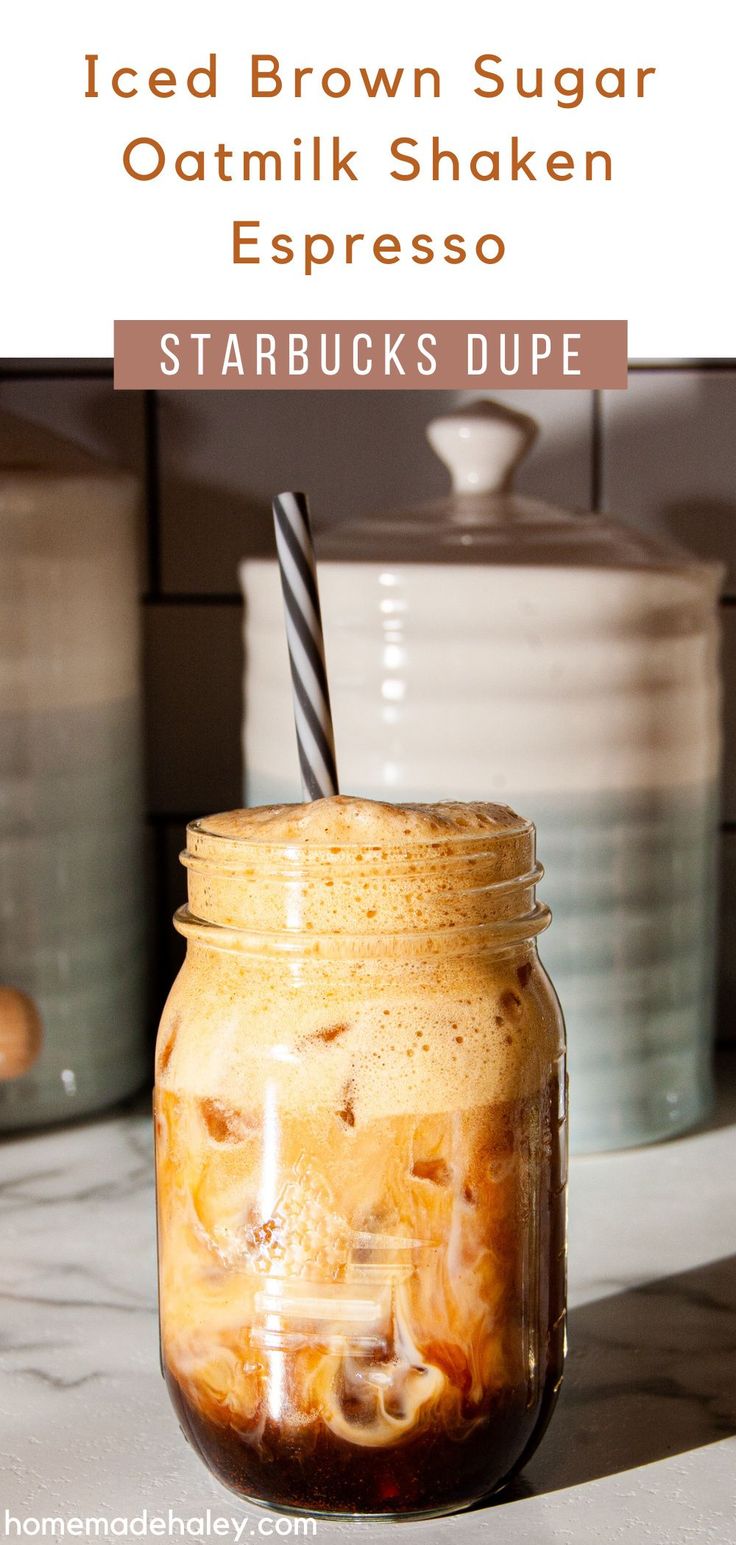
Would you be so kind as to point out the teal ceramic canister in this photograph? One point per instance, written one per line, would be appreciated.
(497, 647)
(71, 903)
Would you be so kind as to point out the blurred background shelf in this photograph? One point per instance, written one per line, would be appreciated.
(662, 455)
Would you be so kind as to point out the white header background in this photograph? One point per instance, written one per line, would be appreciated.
(83, 244)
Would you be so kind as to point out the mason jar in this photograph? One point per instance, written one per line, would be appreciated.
(360, 1121)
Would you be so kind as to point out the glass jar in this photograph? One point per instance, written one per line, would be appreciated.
(72, 947)
(360, 1121)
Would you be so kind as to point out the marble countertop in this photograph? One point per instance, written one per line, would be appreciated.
(642, 1446)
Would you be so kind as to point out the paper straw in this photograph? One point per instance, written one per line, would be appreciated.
(312, 715)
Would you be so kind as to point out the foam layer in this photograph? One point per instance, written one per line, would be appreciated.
(418, 1028)
(341, 866)
(346, 819)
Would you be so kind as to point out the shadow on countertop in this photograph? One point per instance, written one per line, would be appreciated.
(723, 1113)
(651, 1373)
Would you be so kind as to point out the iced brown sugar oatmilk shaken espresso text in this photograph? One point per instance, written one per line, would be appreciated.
(360, 1148)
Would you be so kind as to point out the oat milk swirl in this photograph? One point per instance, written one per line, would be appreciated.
(359, 1110)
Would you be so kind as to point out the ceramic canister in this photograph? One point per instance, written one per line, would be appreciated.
(71, 915)
(496, 647)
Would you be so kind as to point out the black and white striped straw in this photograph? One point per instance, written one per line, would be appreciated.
(312, 715)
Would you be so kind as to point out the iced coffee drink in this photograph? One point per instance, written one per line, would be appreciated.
(360, 1118)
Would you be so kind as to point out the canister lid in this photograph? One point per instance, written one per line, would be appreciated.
(484, 521)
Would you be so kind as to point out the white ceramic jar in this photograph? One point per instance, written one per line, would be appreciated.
(71, 915)
(497, 647)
